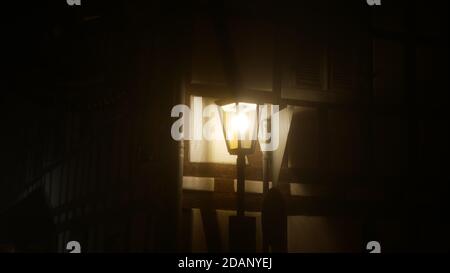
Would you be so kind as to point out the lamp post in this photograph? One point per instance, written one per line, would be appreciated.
(240, 128)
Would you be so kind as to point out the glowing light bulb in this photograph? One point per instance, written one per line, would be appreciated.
(240, 123)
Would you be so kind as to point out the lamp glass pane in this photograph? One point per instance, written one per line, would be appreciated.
(240, 124)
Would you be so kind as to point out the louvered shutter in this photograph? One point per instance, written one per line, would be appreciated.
(309, 66)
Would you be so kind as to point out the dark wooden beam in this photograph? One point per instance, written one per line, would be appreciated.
(306, 206)
(212, 230)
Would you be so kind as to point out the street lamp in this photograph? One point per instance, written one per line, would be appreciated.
(240, 128)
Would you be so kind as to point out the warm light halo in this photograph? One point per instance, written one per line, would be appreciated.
(239, 123)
